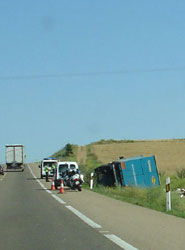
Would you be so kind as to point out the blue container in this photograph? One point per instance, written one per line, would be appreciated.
(140, 171)
(136, 171)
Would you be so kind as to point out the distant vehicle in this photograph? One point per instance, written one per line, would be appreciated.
(50, 161)
(137, 171)
(15, 157)
(68, 171)
(1, 170)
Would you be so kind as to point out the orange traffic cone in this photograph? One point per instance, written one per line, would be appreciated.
(53, 185)
(61, 187)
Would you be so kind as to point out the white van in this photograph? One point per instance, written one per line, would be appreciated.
(62, 168)
(44, 162)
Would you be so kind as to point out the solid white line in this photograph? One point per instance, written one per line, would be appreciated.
(58, 199)
(83, 217)
(123, 244)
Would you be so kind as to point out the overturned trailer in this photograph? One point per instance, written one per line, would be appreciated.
(137, 171)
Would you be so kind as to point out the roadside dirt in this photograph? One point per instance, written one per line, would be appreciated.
(143, 228)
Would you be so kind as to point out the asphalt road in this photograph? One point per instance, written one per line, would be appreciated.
(31, 219)
(142, 228)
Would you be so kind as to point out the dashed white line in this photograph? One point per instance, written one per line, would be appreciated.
(123, 244)
(83, 217)
(58, 199)
(41, 184)
(48, 191)
(32, 172)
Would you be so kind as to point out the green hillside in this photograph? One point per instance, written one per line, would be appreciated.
(169, 154)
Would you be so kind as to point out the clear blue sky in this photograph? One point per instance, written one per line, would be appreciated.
(42, 40)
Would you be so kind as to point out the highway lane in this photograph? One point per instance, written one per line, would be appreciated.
(31, 219)
(143, 228)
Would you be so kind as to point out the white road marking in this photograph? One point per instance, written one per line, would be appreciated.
(83, 217)
(39, 181)
(58, 199)
(121, 243)
(41, 184)
(48, 191)
(3, 176)
(32, 172)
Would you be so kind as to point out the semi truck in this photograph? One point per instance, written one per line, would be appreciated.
(14, 154)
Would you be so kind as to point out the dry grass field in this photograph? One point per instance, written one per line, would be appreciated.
(169, 154)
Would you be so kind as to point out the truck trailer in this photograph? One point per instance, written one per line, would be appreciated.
(14, 155)
(137, 171)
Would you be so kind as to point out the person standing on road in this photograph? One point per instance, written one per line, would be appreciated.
(53, 168)
(47, 169)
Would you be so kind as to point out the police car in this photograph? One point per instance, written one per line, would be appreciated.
(62, 169)
(47, 161)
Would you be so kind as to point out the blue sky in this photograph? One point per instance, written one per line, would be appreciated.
(41, 41)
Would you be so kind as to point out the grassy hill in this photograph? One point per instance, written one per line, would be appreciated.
(170, 154)
(170, 158)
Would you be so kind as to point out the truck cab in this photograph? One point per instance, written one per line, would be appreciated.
(62, 169)
(44, 162)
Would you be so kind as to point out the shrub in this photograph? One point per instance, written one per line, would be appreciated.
(68, 150)
(181, 173)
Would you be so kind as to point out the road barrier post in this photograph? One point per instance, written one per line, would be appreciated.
(168, 195)
(91, 181)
